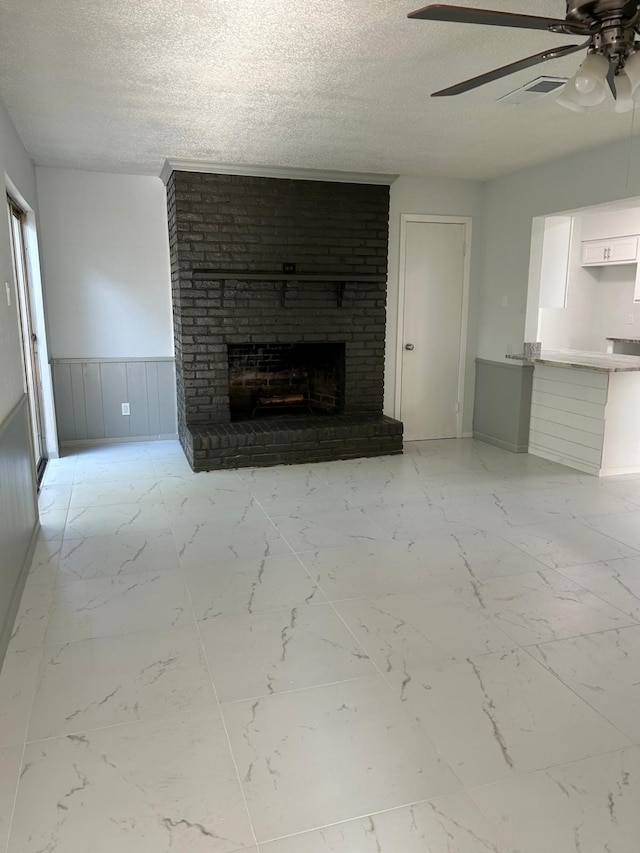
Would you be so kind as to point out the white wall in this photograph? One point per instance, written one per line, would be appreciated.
(18, 170)
(440, 197)
(572, 326)
(610, 223)
(105, 253)
(580, 180)
(615, 305)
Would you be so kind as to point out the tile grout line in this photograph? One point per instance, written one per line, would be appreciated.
(15, 796)
(470, 791)
(364, 817)
(399, 701)
(133, 722)
(24, 751)
(583, 520)
(555, 675)
(294, 690)
(222, 719)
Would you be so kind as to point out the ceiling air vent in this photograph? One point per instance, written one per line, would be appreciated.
(534, 91)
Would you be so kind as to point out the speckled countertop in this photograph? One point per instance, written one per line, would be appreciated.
(584, 360)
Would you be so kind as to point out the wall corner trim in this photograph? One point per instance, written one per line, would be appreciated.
(286, 172)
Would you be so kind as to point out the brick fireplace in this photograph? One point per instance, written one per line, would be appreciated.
(279, 290)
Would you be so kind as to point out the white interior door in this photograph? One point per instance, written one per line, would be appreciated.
(433, 320)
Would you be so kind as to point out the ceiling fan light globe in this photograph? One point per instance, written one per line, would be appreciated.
(591, 99)
(624, 93)
(582, 99)
(623, 105)
(592, 74)
(585, 85)
(632, 70)
(566, 99)
(588, 99)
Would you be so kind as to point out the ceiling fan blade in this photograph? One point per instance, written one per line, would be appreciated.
(496, 74)
(467, 15)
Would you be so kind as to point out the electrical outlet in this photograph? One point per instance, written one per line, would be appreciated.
(630, 318)
(126, 409)
(8, 288)
(505, 301)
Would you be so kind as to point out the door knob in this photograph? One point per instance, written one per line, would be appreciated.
(409, 346)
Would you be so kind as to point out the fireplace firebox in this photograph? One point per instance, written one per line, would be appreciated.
(271, 380)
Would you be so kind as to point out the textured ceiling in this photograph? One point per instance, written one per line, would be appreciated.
(327, 84)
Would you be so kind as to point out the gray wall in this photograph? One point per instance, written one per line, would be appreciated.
(18, 514)
(89, 394)
(503, 404)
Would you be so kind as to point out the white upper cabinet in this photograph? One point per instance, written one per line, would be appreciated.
(614, 250)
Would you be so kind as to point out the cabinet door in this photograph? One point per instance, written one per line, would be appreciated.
(622, 250)
(594, 252)
(617, 250)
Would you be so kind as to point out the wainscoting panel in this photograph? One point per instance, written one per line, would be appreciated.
(89, 395)
(114, 390)
(502, 407)
(18, 514)
(92, 394)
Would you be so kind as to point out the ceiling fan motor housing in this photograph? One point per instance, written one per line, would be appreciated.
(613, 23)
(594, 10)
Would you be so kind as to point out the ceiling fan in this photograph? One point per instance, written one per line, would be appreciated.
(609, 28)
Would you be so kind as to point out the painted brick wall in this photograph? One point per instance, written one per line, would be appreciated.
(251, 224)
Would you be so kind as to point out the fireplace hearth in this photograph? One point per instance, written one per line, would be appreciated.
(279, 292)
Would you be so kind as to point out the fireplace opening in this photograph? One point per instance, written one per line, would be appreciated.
(271, 380)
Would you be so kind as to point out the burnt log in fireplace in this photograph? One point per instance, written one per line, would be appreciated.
(279, 291)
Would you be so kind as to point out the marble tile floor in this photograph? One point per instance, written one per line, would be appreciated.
(432, 653)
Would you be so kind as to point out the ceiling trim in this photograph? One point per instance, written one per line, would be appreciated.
(174, 165)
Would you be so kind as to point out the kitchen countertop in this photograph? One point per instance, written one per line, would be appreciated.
(625, 340)
(584, 360)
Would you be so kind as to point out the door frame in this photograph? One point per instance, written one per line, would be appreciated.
(32, 261)
(25, 311)
(466, 221)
